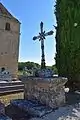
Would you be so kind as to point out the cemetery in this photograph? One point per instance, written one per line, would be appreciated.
(45, 96)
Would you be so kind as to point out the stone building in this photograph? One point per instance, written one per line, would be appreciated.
(9, 41)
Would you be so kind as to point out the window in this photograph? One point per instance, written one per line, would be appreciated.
(7, 27)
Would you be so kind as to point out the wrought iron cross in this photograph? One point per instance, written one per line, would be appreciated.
(41, 38)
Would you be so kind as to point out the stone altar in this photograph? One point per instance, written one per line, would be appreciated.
(48, 91)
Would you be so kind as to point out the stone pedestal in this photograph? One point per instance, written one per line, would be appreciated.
(48, 91)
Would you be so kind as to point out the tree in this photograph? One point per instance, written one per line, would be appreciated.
(53, 67)
(68, 40)
(29, 65)
(21, 66)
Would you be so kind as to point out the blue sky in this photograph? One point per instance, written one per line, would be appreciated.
(30, 13)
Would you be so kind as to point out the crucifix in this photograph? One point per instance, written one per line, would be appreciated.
(41, 38)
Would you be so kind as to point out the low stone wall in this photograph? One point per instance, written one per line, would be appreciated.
(49, 91)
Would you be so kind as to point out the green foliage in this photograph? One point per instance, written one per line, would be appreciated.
(68, 38)
(53, 67)
(21, 66)
(29, 65)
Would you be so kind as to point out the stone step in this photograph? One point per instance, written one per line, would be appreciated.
(33, 108)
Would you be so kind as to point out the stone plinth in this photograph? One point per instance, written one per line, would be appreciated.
(49, 91)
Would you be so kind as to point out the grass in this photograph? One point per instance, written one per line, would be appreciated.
(7, 98)
(20, 72)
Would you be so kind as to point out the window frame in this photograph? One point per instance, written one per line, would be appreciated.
(7, 26)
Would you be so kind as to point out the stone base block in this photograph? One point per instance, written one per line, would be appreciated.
(48, 91)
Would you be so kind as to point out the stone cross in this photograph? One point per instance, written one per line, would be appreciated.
(41, 38)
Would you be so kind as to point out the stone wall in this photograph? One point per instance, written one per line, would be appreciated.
(9, 45)
(49, 91)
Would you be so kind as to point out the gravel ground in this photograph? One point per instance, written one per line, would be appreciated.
(71, 112)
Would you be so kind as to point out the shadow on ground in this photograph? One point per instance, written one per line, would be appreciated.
(72, 97)
(16, 114)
